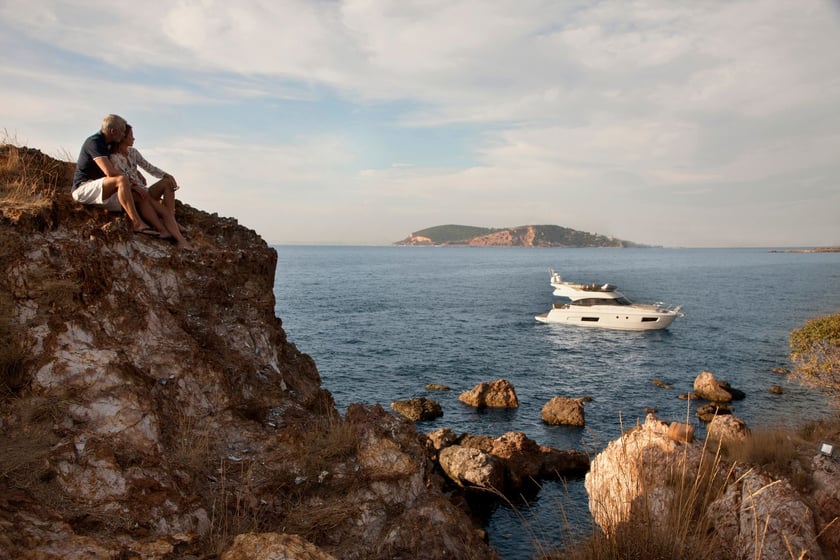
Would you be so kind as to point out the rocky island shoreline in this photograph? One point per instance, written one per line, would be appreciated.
(520, 236)
(152, 407)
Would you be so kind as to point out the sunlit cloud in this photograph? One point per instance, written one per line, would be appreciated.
(364, 117)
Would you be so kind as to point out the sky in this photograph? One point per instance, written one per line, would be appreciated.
(680, 123)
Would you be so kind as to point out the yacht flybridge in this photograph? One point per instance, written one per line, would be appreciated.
(602, 305)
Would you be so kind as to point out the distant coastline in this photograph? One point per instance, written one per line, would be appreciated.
(814, 250)
(520, 236)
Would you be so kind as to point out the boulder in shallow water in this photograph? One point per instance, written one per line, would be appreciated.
(497, 394)
(563, 411)
(419, 408)
(707, 412)
(470, 467)
(709, 388)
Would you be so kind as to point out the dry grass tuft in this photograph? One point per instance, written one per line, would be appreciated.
(315, 524)
(190, 443)
(28, 178)
(13, 375)
(13, 354)
(234, 510)
(774, 449)
(27, 438)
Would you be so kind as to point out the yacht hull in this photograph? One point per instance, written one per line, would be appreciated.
(623, 319)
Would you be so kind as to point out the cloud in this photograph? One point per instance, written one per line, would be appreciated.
(375, 114)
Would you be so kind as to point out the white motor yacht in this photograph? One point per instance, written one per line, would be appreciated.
(602, 305)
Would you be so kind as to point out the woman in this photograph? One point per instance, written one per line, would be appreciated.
(161, 215)
(163, 189)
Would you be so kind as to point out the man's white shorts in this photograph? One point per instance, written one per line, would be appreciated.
(91, 193)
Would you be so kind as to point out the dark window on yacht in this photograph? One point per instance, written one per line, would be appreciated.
(602, 301)
(649, 319)
(593, 319)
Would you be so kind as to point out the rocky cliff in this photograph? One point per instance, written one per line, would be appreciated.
(153, 408)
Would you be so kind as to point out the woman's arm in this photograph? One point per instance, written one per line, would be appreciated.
(152, 170)
(124, 167)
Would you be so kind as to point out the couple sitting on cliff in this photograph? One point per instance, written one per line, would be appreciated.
(107, 175)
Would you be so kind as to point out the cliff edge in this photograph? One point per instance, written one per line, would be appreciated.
(153, 408)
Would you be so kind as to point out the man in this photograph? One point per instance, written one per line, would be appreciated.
(97, 181)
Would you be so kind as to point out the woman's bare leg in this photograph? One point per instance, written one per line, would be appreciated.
(146, 208)
(164, 190)
(172, 228)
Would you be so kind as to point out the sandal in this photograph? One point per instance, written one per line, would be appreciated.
(147, 231)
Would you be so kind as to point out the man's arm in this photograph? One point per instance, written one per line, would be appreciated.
(107, 167)
(110, 170)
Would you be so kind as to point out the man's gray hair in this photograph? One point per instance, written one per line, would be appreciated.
(112, 121)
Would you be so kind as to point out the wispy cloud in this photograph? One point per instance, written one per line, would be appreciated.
(662, 122)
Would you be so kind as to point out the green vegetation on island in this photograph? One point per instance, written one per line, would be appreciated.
(520, 236)
(450, 233)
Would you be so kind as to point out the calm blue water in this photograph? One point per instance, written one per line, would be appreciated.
(382, 322)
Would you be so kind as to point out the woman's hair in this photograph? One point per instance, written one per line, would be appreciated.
(116, 145)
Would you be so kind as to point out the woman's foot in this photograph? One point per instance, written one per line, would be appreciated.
(137, 227)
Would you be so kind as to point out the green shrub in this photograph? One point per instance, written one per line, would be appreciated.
(815, 349)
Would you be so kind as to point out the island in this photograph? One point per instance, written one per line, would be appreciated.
(519, 236)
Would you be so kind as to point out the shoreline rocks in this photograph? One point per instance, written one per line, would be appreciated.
(522, 461)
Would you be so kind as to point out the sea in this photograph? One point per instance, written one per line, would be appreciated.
(383, 322)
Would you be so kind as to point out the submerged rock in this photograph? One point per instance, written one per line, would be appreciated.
(418, 408)
(709, 411)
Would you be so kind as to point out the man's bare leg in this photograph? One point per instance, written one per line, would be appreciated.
(122, 186)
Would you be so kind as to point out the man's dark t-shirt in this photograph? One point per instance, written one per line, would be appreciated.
(86, 168)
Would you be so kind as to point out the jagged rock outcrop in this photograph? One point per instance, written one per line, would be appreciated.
(644, 479)
(628, 476)
(152, 405)
(826, 498)
(761, 517)
(496, 394)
